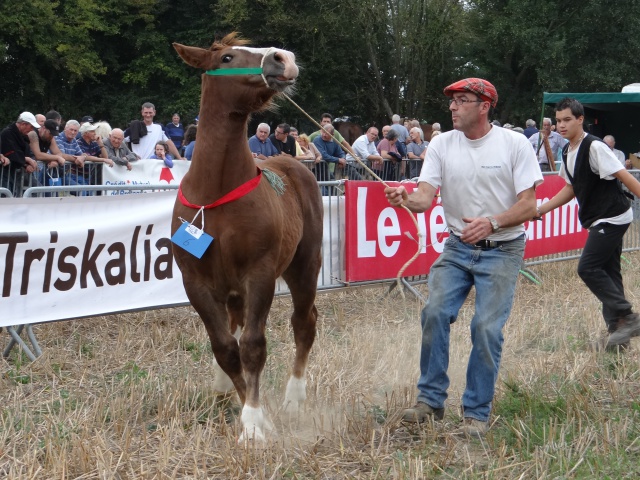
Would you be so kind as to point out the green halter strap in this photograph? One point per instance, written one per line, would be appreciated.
(235, 71)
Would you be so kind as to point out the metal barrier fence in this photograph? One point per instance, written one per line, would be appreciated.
(390, 171)
(17, 181)
(14, 182)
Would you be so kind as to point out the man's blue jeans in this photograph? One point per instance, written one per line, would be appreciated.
(493, 272)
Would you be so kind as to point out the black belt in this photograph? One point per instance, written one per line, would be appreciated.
(488, 244)
(485, 244)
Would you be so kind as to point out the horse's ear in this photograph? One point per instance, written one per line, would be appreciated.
(194, 56)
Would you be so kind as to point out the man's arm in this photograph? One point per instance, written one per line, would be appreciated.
(34, 144)
(629, 181)
(103, 149)
(326, 156)
(93, 158)
(417, 201)
(122, 161)
(410, 153)
(480, 227)
(563, 196)
(54, 149)
(340, 154)
(174, 151)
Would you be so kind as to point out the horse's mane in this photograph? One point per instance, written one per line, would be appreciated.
(230, 40)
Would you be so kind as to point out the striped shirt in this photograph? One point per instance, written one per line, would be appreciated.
(70, 147)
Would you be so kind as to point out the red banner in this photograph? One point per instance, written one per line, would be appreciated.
(380, 239)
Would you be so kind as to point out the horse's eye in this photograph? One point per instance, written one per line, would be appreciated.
(227, 58)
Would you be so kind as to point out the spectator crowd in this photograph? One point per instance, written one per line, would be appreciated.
(39, 150)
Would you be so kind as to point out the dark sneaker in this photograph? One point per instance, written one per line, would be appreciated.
(627, 327)
(472, 428)
(421, 412)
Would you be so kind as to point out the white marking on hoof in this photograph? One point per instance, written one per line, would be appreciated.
(295, 395)
(254, 423)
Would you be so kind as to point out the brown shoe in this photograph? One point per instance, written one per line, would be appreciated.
(421, 412)
(472, 428)
(627, 327)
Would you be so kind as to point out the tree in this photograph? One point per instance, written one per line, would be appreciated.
(556, 46)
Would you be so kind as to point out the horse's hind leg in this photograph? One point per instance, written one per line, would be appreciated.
(302, 284)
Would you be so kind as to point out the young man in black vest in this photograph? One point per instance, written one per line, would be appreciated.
(593, 175)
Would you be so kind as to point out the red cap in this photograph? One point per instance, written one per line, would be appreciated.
(480, 87)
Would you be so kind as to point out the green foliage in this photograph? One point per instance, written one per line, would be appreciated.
(366, 59)
(131, 373)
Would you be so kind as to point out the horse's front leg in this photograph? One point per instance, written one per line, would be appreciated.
(223, 344)
(253, 353)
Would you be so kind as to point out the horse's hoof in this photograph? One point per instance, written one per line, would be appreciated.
(254, 424)
(255, 435)
(295, 395)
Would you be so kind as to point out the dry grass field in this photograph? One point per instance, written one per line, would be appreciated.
(129, 396)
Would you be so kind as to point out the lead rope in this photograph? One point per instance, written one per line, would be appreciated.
(264, 79)
(373, 174)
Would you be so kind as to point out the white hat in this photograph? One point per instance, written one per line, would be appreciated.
(28, 118)
(87, 127)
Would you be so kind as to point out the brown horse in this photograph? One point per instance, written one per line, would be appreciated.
(350, 131)
(257, 237)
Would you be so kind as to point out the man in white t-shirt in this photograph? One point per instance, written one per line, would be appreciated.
(147, 144)
(487, 177)
(593, 175)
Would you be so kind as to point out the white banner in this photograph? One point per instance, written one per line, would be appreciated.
(144, 172)
(73, 257)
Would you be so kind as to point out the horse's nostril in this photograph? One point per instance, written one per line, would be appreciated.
(277, 56)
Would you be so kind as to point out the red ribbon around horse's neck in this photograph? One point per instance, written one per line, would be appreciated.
(234, 194)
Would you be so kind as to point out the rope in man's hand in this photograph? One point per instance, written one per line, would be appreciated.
(374, 175)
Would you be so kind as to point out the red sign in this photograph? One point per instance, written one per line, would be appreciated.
(381, 239)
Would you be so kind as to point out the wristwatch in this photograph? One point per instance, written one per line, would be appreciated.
(495, 226)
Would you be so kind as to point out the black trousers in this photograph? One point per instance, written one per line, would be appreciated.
(599, 269)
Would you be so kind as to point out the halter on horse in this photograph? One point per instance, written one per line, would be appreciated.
(259, 234)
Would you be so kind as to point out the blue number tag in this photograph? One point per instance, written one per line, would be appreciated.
(192, 239)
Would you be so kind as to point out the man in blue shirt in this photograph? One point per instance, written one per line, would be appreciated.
(260, 145)
(331, 153)
(175, 131)
(72, 153)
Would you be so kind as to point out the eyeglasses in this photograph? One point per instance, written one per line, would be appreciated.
(279, 132)
(462, 101)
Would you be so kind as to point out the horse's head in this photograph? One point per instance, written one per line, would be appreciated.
(270, 67)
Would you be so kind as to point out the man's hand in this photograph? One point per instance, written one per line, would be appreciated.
(31, 165)
(129, 166)
(477, 229)
(342, 161)
(79, 160)
(4, 161)
(396, 195)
